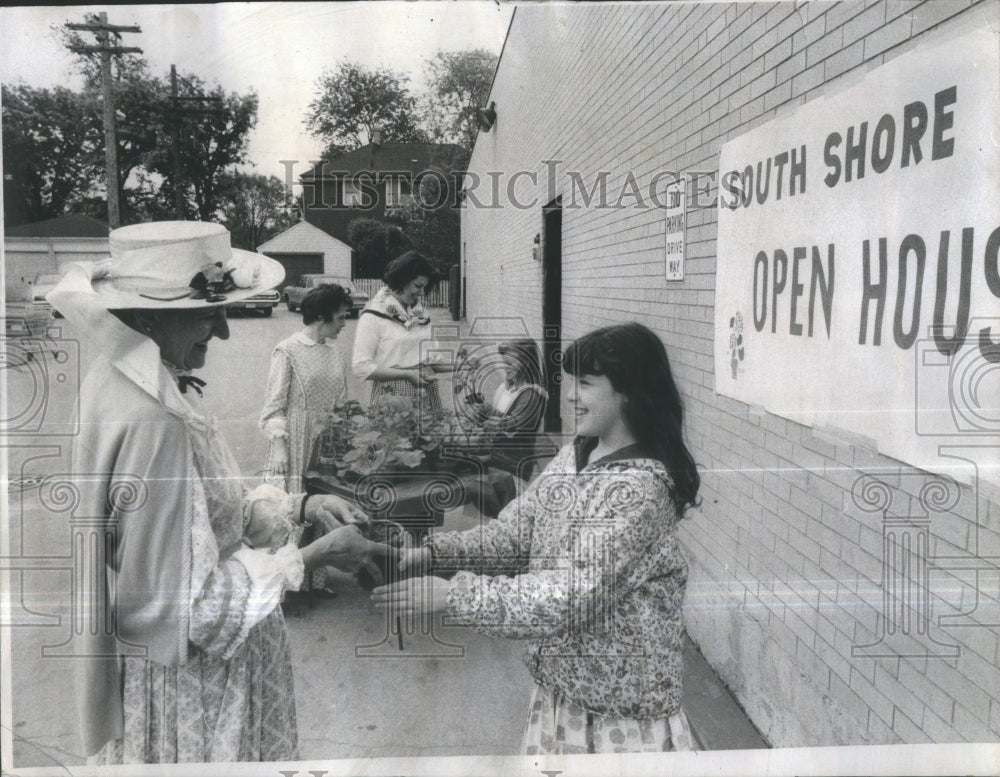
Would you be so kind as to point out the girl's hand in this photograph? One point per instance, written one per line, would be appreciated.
(331, 512)
(279, 456)
(418, 595)
(347, 550)
(415, 562)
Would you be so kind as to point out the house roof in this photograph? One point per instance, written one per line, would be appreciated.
(71, 225)
(389, 157)
(300, 236)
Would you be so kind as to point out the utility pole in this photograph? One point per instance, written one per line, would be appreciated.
(175, 120)
(103, 31)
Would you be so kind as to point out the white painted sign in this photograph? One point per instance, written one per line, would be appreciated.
(857, 282)
(676, 221)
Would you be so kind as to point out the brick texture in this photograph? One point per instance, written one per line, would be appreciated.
(789, 591)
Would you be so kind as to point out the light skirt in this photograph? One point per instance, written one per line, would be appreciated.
(210, 709)
(560, 727)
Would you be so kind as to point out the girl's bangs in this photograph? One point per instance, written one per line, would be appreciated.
(581, 358)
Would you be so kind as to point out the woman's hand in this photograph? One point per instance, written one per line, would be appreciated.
(331, 512)
(415, 562)
(347, 550)
(279, 456)
(414, 596)
(421, 377)
(492, 423)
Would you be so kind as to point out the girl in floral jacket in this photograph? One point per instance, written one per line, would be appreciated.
(585, 564)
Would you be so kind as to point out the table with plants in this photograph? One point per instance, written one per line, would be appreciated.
(406, 464)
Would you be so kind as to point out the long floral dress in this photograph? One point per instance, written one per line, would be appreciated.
(307, 380)
(232, 697)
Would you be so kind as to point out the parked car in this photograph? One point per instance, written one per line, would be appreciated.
(42, 285)
(26, 327)
(263, 303)
(295, 292)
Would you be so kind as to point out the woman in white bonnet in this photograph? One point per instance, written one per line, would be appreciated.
(194, 664)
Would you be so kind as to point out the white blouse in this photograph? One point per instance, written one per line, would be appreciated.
(382, 342)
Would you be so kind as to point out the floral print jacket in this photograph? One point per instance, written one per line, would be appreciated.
(585, 565)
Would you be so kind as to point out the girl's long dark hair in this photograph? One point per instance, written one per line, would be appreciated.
(635, 362)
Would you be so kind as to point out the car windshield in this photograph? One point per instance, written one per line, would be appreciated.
(343, 282)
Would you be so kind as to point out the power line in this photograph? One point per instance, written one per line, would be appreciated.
(103, 31)
(176, 112)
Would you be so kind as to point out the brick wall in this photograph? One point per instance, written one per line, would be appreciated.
(786, 551)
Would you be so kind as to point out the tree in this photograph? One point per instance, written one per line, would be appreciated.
(52, 141)
(212, 140)
(459, 84)
(253, 207)
(353, 101)
(432, 220)
(376, 243)
(137, 98)
(213, 135)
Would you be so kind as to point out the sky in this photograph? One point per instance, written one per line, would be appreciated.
(277, 49)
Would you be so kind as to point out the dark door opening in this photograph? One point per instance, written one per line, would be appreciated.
(297, 264)
(552, 310)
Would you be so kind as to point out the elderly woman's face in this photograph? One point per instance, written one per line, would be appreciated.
(183, 335)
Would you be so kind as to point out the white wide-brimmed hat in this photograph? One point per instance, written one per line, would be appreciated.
(179, 264)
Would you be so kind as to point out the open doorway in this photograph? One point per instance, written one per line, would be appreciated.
(552, 310)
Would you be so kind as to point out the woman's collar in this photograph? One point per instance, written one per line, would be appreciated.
(302, 337)
(386, 303)
(584, 446)
(143, 366)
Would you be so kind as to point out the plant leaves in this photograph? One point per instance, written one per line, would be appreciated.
(409, 458)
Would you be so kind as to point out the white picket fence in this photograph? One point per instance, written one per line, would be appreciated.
(435, 298)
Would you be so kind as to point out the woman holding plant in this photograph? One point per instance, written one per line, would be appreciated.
(390, 346)
(183, 655)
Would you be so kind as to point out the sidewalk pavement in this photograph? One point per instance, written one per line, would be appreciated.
(717, 720)
(450, 692)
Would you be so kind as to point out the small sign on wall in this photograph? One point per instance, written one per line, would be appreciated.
(676, 216)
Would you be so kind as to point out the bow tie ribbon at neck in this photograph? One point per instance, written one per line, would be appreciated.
(183, 381)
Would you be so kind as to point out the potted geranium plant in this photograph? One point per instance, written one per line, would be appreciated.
(335, 440)
(391, 436)
(381, 440)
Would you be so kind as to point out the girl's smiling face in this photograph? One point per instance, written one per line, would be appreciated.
(599, 408)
